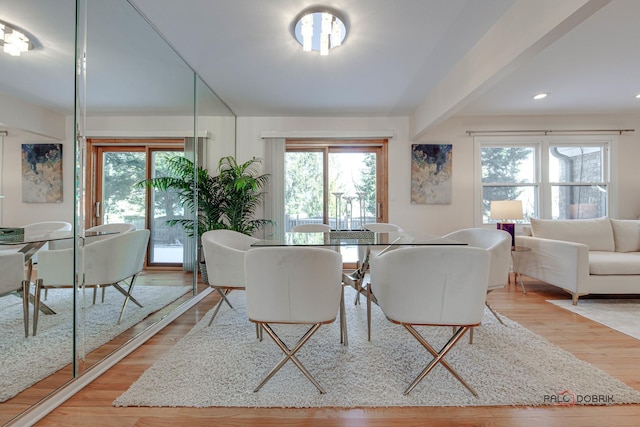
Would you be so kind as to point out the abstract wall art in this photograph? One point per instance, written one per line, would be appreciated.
(431, 173)
(42, 173)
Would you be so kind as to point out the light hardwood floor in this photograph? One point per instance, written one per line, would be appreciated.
(607, 349)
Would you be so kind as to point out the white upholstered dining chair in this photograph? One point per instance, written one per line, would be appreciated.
(47, 226)
(112, 262)
(432, 286)
(224, 252)
(13, 281)
(292, 285)
(498, 243)
(311, 228)
(113, 229)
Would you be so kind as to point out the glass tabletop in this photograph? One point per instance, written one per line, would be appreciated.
(357, 238)
(40, 236)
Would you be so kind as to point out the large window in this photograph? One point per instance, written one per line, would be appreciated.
(557, 178)
(339, 183)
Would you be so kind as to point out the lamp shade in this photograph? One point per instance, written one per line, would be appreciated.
(506, 210)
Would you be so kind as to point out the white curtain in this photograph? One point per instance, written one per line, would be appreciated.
(274, 197)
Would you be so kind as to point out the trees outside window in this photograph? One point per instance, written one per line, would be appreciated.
(555, 178)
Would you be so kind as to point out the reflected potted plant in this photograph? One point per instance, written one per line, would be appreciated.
(227, 200)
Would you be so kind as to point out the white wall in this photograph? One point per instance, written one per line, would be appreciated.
(440, 219)
(15, 212)
(437, 219)
(220, 129)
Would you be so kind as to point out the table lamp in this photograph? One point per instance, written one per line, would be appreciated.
(505, 210)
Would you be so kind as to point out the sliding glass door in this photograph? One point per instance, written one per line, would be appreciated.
(340, 183)
(119, 198)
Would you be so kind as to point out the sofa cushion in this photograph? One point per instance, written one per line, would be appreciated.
(626, 233)
(597, 234)
(614, 263)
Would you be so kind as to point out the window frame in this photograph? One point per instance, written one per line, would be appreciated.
(543, 197)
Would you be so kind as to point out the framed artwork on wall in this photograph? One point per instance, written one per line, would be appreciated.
(42, 173)
(431, 173)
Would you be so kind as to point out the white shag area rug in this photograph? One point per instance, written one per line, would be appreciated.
(25, 361)
(623, 315)
(507, 365)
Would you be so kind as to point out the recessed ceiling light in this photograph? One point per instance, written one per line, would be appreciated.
(540, 96)
(638, 96)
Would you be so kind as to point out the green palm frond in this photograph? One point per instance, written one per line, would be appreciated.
(228, 200)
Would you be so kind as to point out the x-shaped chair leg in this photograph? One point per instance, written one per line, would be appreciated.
(223, 298)
(492, 312)
(438, 357)
(289, 354)
(127, 295)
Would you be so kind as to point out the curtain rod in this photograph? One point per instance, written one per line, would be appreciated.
(547, 132)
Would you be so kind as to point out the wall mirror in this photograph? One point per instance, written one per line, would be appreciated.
(133, 102)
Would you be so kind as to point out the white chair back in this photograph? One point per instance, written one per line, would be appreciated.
(382, 227)
(311, 228)
(48, 226)
(498, 243)
(115, 228)
(12, 279)
(105, 261)
(224, 252)
(115, 259)
(12, 268)
(293, 284)
(432, 285)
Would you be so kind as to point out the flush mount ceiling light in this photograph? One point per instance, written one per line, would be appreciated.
(320, 29)
(540, 96)
(14, 40)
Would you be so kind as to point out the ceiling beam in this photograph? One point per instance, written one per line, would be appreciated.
(522, 32)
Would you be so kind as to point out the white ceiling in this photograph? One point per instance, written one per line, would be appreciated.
(426, 59)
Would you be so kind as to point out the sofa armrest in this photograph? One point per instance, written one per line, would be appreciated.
(560, 263)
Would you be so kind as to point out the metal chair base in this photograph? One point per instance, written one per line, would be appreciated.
(289, 354)
(223, 299)
(438, 357)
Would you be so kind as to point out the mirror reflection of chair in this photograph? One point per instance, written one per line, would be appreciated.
(12, 281)
(292, 285)
(224, 252)
(498, 243)
(40, 228)
(113, 229)
(112, 262)
(311, 228)
(433, 286)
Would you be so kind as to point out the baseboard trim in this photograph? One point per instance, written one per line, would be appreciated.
(38, 411)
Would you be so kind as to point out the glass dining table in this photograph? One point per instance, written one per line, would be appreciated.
(379, 241)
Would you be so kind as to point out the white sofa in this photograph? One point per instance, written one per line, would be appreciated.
(591, 256)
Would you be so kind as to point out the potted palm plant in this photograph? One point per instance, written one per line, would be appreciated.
(227, 200)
